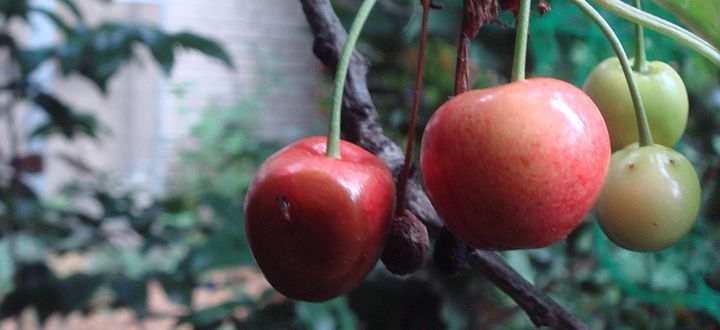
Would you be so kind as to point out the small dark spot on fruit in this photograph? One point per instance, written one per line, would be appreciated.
(671, 161)
(525, 161)
(284, 206)
(631, 167)
(655, 224)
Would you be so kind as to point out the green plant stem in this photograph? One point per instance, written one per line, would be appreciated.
(521, 37)
(662, 26)
(333, 137)
(640, 64)
(643, 127)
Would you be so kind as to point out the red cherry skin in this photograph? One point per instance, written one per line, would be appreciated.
(316, 225)
(516, 166)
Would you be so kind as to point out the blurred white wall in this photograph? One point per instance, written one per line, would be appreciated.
(268, 40)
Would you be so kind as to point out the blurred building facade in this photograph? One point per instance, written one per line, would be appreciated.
(148, 119)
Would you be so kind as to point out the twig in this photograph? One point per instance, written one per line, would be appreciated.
(360, 125)
(542, 310)
(475, 14)
(405, 171)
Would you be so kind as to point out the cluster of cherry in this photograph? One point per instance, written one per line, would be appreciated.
(516, 166)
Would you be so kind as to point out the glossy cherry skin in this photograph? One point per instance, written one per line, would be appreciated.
(650, 200)
(663, 95)
(316, 225)
(516, 166)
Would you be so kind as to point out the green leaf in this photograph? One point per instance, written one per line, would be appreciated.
(131, 293)
(519, 261)
(77, 291)
(31, 59)
(110, 47)
(161, 47)
(178, 286)
(70, 4)
(12, 8)
(227, 248)
(13, 303)
(203, 45)
(8, 41)
(699, 73)
(699, 15)
(454, 317)
(417, 301)
(60, 114)
(63, 119)
(667, 277)
(43, 131)
(97, 53)
(694, 297)
(88, 124)
(333, 314)
(27, 208)
(273, 316)
(35, 285)
(55, 18)
(209, 317)
(70, 53)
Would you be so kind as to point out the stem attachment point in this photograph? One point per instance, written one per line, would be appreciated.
(521, 37)
(643, 126)
(333, 137)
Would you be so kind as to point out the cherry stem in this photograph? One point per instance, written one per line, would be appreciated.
(405, 172)
(662, 26)
(640, 63)
(521, 37)
(333, 137)
(643, 127)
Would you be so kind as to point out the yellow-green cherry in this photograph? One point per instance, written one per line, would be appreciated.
(651, 198)
(663, 95)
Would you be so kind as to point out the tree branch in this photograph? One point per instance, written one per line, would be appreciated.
(360, 125)
(542, 310)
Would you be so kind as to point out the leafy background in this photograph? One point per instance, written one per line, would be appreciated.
(181, 240)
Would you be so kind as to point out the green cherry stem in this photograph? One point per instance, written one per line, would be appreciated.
(643, 127)
(521, 37)
(333, 137)
(640, 63)
(405, 172)
(662, 26)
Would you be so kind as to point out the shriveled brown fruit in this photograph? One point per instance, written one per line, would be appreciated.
(407, 245)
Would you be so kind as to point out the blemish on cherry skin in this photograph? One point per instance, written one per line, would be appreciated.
(525, 161)
(284, 207)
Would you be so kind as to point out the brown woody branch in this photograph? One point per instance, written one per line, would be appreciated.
(360, 125)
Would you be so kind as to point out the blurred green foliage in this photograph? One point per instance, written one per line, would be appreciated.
(125, 236)
(694, 14)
